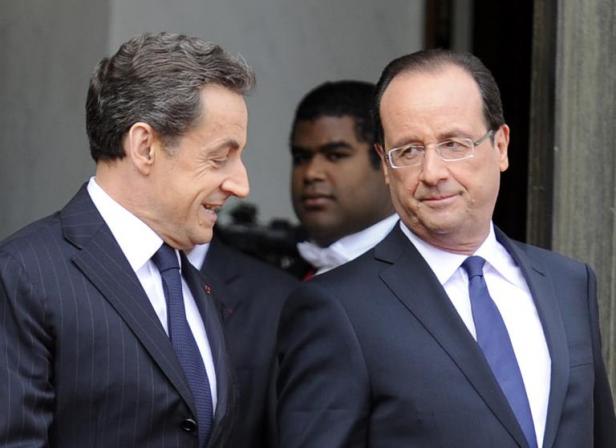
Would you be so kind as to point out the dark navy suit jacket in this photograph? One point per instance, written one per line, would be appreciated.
(373, 354)
(252, 294)
(84, 359)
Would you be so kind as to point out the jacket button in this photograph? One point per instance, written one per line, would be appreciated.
(189, 425)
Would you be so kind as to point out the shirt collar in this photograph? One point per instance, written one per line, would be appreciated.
(197, 255)
(500, 261)
(352, 246)
(444, 264)
(137, 241)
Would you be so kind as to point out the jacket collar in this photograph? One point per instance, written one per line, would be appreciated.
(404, 266)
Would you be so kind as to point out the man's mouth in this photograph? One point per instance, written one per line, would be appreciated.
(212, 208)
(310, 201)
(440, 199)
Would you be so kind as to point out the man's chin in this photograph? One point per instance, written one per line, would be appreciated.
(316, 222)
(202, 236)
(205, 237)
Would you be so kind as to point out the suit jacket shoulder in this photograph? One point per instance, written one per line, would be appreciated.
(386, 350)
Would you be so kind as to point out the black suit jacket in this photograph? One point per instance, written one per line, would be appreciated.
(252, 295)
(84, 359)
(375, 355)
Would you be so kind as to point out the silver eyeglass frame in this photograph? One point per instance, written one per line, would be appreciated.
(472, 144)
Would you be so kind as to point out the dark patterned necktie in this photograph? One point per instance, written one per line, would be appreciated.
(183, 340)
(493, 338)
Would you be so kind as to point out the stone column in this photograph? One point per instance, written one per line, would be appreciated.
(572, 178)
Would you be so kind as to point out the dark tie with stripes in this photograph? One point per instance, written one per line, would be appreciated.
(183, 340)
(493, 338)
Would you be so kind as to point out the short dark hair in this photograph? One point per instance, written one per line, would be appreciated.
(435, 59)
(342, 98)
(157, 79)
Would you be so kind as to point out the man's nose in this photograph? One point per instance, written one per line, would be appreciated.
(433, 168)
(315, 168)
(237, 183)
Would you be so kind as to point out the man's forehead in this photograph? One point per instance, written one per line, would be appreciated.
(447, 77)
(326, 128)
(447, 90)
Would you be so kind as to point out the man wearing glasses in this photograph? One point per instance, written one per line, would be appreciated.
(447, 333)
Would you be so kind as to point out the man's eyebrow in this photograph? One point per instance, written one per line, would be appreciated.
(229, 143)
(332, 146)
(451, 133)
(297, 148)
(325, 148)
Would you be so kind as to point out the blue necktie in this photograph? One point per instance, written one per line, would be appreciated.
(183, 340)
(493, 338)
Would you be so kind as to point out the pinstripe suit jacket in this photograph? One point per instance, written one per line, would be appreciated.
(84, 360)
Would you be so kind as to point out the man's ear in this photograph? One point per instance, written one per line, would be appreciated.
(140, 146)
(501, 142)
(381, 152)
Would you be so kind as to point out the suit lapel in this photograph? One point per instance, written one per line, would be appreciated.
(224, 274)
(543, 293)
(202, 292)
(429, 303)
(102, 262)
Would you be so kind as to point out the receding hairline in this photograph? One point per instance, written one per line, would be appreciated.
(434, 68)
(437, 68)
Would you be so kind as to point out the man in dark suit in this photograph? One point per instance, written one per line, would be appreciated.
(447, 333)
(251, 293)
(108, 336)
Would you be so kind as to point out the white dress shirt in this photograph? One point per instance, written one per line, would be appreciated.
(139, 243)
(346, 248)
(197, 255)
(512, 297)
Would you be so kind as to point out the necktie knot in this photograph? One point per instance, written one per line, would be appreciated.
(165, 258)
(474, 266)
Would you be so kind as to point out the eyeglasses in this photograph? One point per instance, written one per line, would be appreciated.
(450, 150)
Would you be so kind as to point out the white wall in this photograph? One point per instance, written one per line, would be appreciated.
(292, 44)
(47, 52)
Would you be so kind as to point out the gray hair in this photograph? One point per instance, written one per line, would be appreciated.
(156, 79)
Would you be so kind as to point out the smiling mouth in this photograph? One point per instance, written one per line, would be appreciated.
(212, 208)
(438, 198)
(442, 199)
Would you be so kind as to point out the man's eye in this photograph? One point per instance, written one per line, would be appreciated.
(453, 146)
(299, 158)
(410, 152)
(334, 157)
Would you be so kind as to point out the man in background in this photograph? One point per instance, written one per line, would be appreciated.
(108, 336)
(447, 333)
(338, 190)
